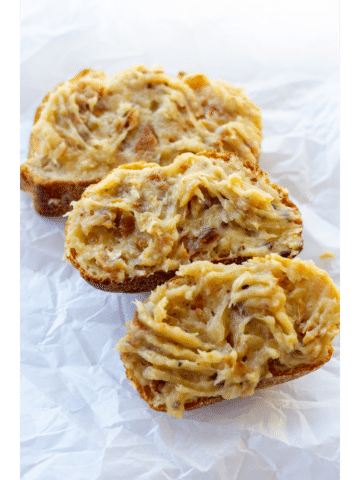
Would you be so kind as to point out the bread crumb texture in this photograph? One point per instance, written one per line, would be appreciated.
(327, 255)
(93, 123)
(143, 218)
(219, 331)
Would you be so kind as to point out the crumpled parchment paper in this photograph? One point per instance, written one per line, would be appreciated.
(80, 418)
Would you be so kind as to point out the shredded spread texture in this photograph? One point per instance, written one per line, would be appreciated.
(215, 329)
(93, 123)
(143, 218)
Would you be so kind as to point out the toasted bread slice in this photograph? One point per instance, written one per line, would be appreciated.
(218, 332)
(93, 123)
(133, 230)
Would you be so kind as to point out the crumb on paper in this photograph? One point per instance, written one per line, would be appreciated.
(327, 255)
(53, 201)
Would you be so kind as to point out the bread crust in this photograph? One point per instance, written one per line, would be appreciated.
(280, 375)
(145, 283)
(51, 199)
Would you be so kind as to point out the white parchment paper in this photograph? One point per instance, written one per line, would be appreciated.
(80, 418)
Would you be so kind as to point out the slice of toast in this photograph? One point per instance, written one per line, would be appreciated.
(133, 229)
(93, 123)
(218, 332)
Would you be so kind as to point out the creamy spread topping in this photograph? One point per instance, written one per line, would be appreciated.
(93, 123)
(143, 218)
(213, 330)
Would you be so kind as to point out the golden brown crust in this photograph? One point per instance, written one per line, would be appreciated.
(51, 199)
(130, 285)
(145, 283)
(279, 376)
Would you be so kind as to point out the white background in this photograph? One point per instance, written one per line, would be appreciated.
(80, 418)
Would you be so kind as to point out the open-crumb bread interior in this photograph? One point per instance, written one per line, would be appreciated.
(143, 219)
(221, 331)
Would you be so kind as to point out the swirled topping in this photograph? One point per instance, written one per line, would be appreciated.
(214, 330)
(143, 218)
(93, 123)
